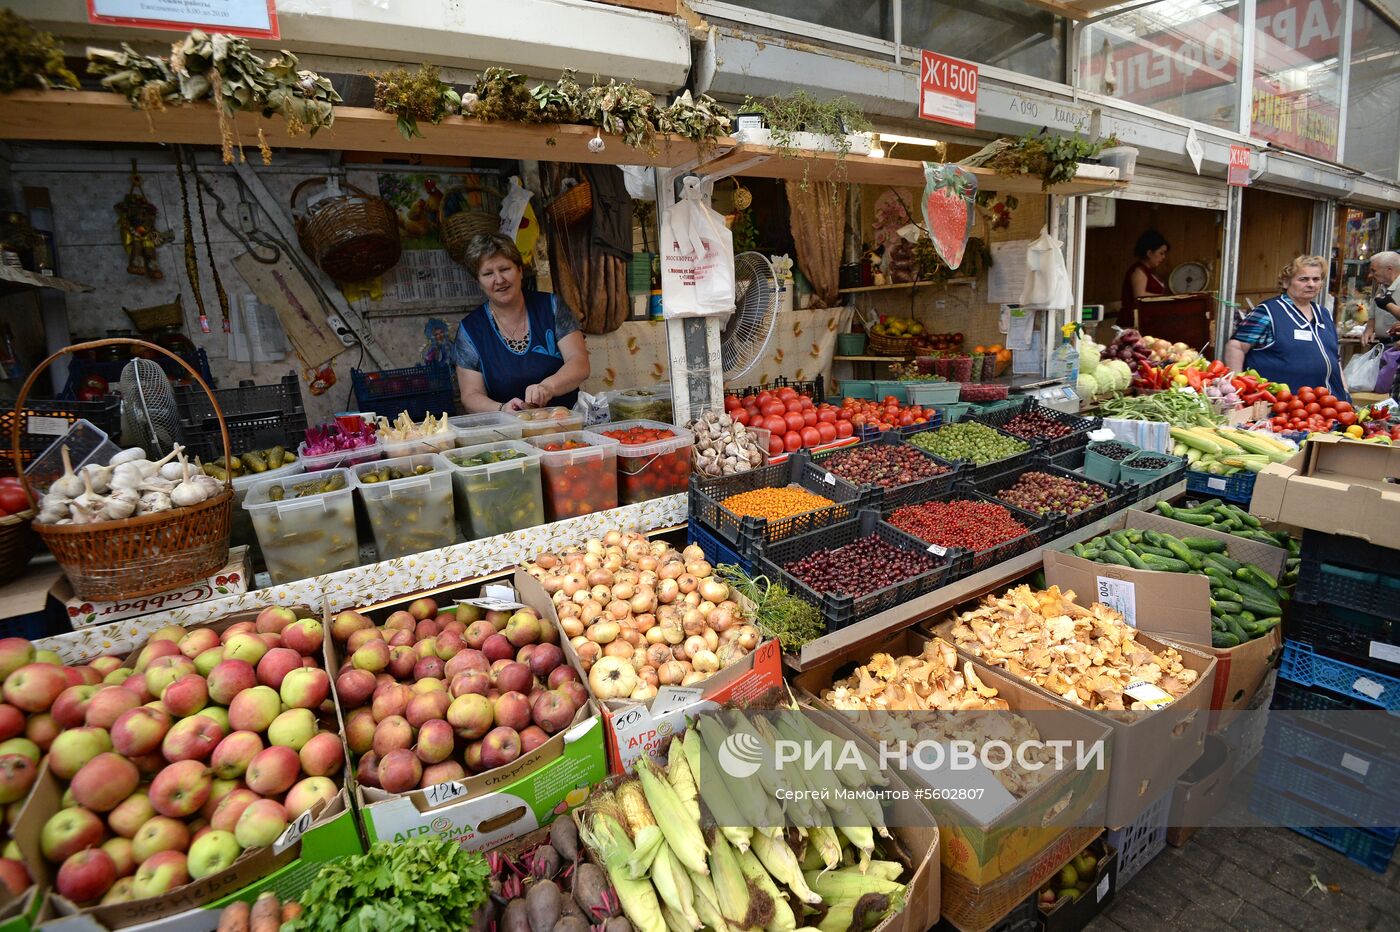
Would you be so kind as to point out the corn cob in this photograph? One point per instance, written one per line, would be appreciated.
(674, 921)
(716, 790)
(864, 913)
(758, 809)
(681, 779)
(823, 838)
(783, 918)
(848, 884)
(782, 865)
(605, 835)
(744, 905)
(647, 838)
(673, 885)
(680, 831)
(885, 870)
(707, 903)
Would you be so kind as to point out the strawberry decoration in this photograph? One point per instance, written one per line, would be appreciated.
(949, 195)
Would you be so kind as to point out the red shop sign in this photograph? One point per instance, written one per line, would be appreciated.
(948, 90)
(1240, 157)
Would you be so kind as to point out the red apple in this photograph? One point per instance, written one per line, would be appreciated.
(74, 748)
(139, 731)
(478, 633)
(198, 641)
(359, 730)
(553, 711)
(273, 770)
(399, 771)
(181, 789)
(274, 619)
(367, 771)
(276, 664)
(544, 660)
(323, 755)
(131, 813)
(346, 623)
(160, 873)
(354, 687)
(472, 715)
(441, 773)
(69, 831)
(391, 734)
(436, 741)
(34, 686)
(87, 875)
(105, 781)
(42, 729)
(186, 696)
(160, 833)
(70, 708)
(230, 808)
(576, 691)
(531, 738)
(305, 637)
(192, 738)
(234, 753)
(513, 677)
(305, 688)
(497, 647)
(422, 608)
(501, 746)
(513, 710)
(11, 721)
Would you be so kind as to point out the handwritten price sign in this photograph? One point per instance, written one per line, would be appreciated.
(948, 90)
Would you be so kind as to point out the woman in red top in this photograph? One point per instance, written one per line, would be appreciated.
(1151, 251)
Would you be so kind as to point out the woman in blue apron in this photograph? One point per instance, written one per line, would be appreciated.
(1291, 338)
(520, 349)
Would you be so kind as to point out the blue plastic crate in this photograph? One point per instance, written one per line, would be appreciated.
(1302, 665)
(716, 550)
(873, 433)
(1371, 848)
(1347, 798)
(419, 390)
(1238, 488)
(1339, 754)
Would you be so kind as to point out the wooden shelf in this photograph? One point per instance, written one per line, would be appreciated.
(890, 359)
(96, 116)
(905, 285)
(26, 279)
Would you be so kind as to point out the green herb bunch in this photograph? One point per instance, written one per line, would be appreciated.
(427, 884)
(413, 97)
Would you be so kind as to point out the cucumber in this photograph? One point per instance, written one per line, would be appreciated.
(1220, 576)
(1226, 606)
(1233, 626)
(1222, 562)
(1117, 545)
(1112, 556)
(1077, 549)
(1165, 564)
(1244, 516)
(1261, 607)
(1135, 561)
(1223, 639)
(1182, 552)
(1165, 510)
(1251, 573)
(1156, 551)
(1189, 518)
(1204, 544)
(1205, 507)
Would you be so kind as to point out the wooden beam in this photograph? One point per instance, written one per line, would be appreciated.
(664, 7)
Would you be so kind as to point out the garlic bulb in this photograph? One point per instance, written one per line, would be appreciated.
(210, 485)
(127, 456)
(170, 471)
(101, 477)
(53, 509)
(152, 502)
(188, 492)
(156, 484)
(127, 475)
(68, 485)
(121, 504)
(158, 467)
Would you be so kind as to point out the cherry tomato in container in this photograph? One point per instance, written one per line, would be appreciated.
(579, 472)
(653, 459)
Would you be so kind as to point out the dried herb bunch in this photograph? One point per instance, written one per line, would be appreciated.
(224, 71)
(501, 94)
(414, 96)
(800, 112)
(701, 120)
(30, 58)
(1053, 157)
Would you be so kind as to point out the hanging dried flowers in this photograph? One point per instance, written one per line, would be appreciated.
(413, 97)
(29, 58)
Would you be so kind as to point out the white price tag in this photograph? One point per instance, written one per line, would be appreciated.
(1216, 483)
(1368, 687)
(492, 605)
(1105, 885)
(829, 479)
(292, 834)
(1194, 149)
(49, 426)
(672, 698)
(1119, 595)
(1387, 652)
(1150, 694)
(440, 793)
(500, 593)
(1355, 764)
(937, 550)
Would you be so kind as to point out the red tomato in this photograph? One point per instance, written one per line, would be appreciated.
(807, 403)
(1329, 413)
(1279, 423)
(774, 425)
(906, 419)
(793, 420)
(1347, 418)
(792, 441)
(827, 430)
(13, 500)
(1307, 395)
(792, 405)
(843, 429)
(1312, 407)
(827, 415)
(731, 402)
(770, 408)
(786, 392)
(811, 437)
(1284, 396)
(740, 415)
(856, 421)
(809, 417)
(1280, 407)
(1326, 400)
(764, 397)
(775, 445)
(1343, 406)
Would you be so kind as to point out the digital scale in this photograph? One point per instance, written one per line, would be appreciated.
(1057, 395)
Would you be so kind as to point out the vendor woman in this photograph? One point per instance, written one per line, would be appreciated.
(1141, 279)
(520, 349)
(1291, 338)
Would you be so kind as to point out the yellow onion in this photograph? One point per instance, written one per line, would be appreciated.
(746, 637)
(588, 652)
(705, 662)
(632, 636)
(648, 676)
(671, 673)
(699, 568)
(693, 621)
(688, 583)
(551, 583)
(672, 570)
(590, 612)
(694, 677)
(711, 639)
(583, 596)
(644, 622)
(671, 631)
(691, 600)
(667, 591)
(643, 601)
(593, 561)
(635, 550)
(603, 632)
(623, 590)
(654, 635)
(618, 648)
(721, 617)
(693, 552)
(657, 654)
(612, 538)
(572, 626)
(600, 577)
(712, 590)
(694, 644)
(573, 583)
(618, 610)
(643, 692)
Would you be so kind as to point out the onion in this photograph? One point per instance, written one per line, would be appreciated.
(547, 561)
(692, 678)
(705, 662)
(559, 598)
(654, 635)
(691, 600)
(573, 627)
(594, 545)
(603, 632)
(667, 591)
(688, 583)
(721, 617)
(644, 622)
(590, 612)
(671, 672)
(582, 596)
(600, 577)
(694, 644)
(575, 564)
(594, 561)
(729, 655)
(632, 636)
(678, 651)
(618, 648)
(713, 590)
(623, 591)
(664, 551)
(647, 578)
(673, 570)
(552, 583)
(643, 692)
(648, 676)
(644, 601)
(746, 637)
(618, 610)
(693, 552)
(699, 568)
(612, 538)
(671, 631)
(705, 608)
(693, 622)
(569, 609)
(639, 661)
(635, 550)
(711, 639)
(573, 582)
(657, 654)
(588, 652)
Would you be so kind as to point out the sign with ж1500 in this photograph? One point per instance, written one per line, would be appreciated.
(947, 90)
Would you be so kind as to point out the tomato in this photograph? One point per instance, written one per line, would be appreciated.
(807, 403)
(857, 421)
(731, 402)
(1280, 407)
(827, 430)
(770, 408)
(1347, 418)
(811, 437)
(1329, 413)
(774, 425)
(792, 406)
(1284, 396)
(1326, 400)
(792, 441)
(775, 445)
(1279, 423)
(787, 392)
(740, 415)
(1343, 406)
(1307, 395)
(764, 397)
(13, 500)
(827, 415)
(906, 419)
(809, 418)
(843, 429)
(1312, 407)
(793, 420)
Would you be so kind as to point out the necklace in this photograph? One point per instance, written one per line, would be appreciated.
(518, 344)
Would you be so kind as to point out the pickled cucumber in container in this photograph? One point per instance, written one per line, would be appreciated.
(409, 503)
(496, 487)
(305, 524)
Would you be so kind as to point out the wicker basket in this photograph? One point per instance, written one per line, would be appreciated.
(351, 236)
(138, 556)
(461, 220)
(880, 344)
(17, 544)
(571, 206)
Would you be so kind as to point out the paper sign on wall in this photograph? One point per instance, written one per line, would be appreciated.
(254, 18)
(1194, 149)
(1240, 158)
(947, 90)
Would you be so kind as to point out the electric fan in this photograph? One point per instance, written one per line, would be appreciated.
(745, 337)
(149, 417)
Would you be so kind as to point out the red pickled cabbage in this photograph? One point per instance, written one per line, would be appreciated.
(332, 438)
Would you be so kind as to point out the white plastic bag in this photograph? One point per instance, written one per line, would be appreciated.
(1364, 368)
(697, 258)
(1047, 280)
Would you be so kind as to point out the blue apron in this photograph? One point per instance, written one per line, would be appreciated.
(1303, 352)
(507, 373)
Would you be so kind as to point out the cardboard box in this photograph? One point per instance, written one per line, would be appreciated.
(27, 607)
(983, 852)
(637, 728)
(974, 908)
(1201, 791)
(231, 579)
(1335, 485)
(19, 914)
(488, 809)
(1150, 749)
(1071, 915)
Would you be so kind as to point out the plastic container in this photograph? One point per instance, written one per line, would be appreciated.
(1351, 798)
(1137, 475)
(1238, 488)
(860, 389)
(1038, 530)
(717, 552)
(412, 514)
(1357, 637)
(1080, 427)
(651, 470)
(577, 481)
(307, 535)
(975, 472)
(1142, 839)
(44, 420)
(1116, 495)
(1318, 743)
(86, 443)
(878, 496)
(1302, 665)
(487, 427)
(537, 422)
(496, 497)
(241, 530)
(850, 344)
(1371, 848)
(1123, 158)
(931, 393)
(1349, 572)
(885, 388)
(954, 411)
(649, 403)
(1103, 468)
(432, 443)
(339, 459)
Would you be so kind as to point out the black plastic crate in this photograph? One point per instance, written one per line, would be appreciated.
(104, 414)
(1345, 633)
(1038, 530)
(813, 388)
(878, 496)
(972, 472)
(749, 535)
(258, 416)
(1362, 590)
(1296, 696)
(1071, 459)
(865, 432)
(839, 611)
(419, 390)
(1080, 425)
(1118, 496)
(111, 370)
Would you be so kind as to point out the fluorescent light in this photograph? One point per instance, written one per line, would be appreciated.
(910, 140)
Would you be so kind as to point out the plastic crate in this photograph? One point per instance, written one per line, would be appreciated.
(1371, 848)
(1142, 839)
(1238, 488)
(840, 611)
(1315, 739)
(716, 550)
(1118, 496)
(44, 421)
(1345, 571)
(1039, 530)
(813, 388)
(1081, 426)
(973, 472)
(748, 535)
(1297, 697)
(931, 393)
(1302, 665)
(878, 496)
(859, 389)
(1073, 459)
(1102, 467)
(954, 411)
(1346, 634)
(1145, 490)
(419, 390)
(111, 370)
(1132, 474)
(908, 430)
(258, 417)
(1347, 798)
